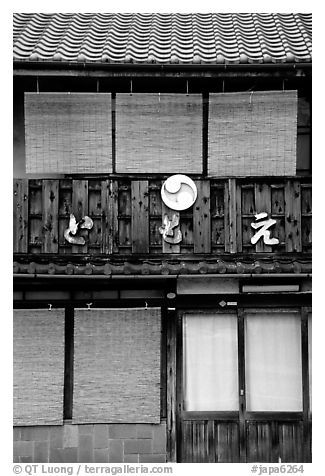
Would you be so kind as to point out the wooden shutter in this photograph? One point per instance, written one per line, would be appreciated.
(158, 133)
(68, 133)
(117, 366)
(252, 133)
(38, 366)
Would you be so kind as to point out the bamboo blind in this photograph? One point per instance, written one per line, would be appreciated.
(38, 366)
(117, 366)
(158, 133)
(252, 133)
(68, 133)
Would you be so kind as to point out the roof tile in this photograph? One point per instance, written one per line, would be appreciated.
(163, 38)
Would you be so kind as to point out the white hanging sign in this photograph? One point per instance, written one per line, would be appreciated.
(263, 225)
(179, 192)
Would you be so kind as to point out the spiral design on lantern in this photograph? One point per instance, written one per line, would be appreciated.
(179, 192)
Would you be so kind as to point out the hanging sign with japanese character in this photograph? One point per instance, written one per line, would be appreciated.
(262, 224)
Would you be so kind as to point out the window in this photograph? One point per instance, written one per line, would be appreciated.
(252, 133)
(68, 133)
(273, 361)
(262, 349)
(91, 366)
(210, 362)
(117, 366)
(38, 366)
(158, 133)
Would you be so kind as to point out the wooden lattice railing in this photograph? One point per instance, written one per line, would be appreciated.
(127, 215)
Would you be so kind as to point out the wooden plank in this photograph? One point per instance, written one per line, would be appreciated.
(50, 206)
(263, 204)
(68, 363)
(293, 215)
(239, 238)
(169, 213)
(242, 385)
(251, 442)
(140, 216)
(205, 132)
(80, 209)
(109, 201)
(20, 218)
(230, 216)
(305, 384)
(211, 442)
(171, 387)
(201, 218)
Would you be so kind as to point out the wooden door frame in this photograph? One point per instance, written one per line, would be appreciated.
(174, 379)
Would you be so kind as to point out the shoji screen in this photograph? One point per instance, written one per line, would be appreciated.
(68, 133)
(38, 366)
(253, 133)
(117, 366)
(273, 361)
(210, 362)
(159, 133)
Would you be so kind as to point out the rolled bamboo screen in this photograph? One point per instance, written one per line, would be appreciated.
(158, 133)
(252, 133)
(38, 366)
(68, 133)
(117, 366)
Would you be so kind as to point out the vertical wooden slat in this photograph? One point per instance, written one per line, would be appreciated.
(171, 387)
(168, 247)
(113, 103)
(68, 362)
(65, 208)
(109, 200)
(211, 442)
(205, 131)
(305, 383)
(263, 204)
(80, 209)
(140, 216)
(293, 215)
(239, 239)
(201, 218)
(50, 208)
(230, 216)
(20, 219)
(241, 385)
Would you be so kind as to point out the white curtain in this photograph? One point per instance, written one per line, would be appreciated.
(273, 362)
(210, 362)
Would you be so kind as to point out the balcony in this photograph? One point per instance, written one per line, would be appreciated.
(127, 215)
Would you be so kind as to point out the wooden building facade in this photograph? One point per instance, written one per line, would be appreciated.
(162, 238)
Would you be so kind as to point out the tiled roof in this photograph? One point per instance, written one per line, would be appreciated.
(173, 267)
(163, 38)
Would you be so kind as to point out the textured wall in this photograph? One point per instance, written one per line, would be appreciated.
(100, 443)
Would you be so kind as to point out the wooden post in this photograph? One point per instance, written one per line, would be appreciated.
(109, 201)
(293, 215)
(201, 218)
(241, 386)
(263, 204)
(239, 239)
(230, 216)
(140, 216)
(50, 212)
(171, 387)
(20, 219)
(80, 209)
(305, 385)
